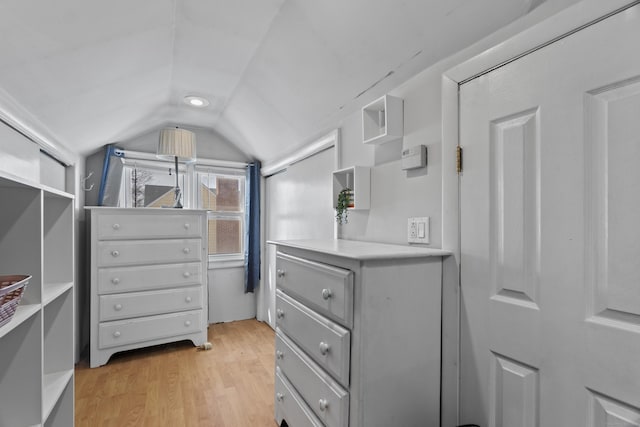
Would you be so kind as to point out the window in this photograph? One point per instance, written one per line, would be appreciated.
(149, 184)
(222, 193)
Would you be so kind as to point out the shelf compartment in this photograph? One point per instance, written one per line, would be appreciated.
(52, 291)
(54, 192)
(20, 238)
(61, 413)
(58, 239)
(58, 350)
(358, 179)
(54, 386)
(23, 312)
(382, 120)
(21, 373)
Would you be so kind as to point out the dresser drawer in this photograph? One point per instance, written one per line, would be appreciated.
(290, 406)
(327, 289)
(121, 332)
(146, 277)
(131, 226)
(328, 400)
(323, 340)
(128, 252)
(138, 304)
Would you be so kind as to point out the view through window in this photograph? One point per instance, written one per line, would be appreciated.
(223, 195)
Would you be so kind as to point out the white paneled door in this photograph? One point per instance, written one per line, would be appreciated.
(550, 234)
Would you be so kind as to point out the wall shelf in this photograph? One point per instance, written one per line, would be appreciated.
(358, 179)
(382, 120)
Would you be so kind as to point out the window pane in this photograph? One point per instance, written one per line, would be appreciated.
(149, 187)
(225, 236)
(207, 192)
(221, 193)
(229, 194)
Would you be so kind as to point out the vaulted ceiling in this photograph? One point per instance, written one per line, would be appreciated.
(276, 72)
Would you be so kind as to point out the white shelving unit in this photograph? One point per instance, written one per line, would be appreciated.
(382, 120)
(37, 345)
(358, 179)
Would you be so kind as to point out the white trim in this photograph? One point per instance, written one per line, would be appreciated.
(140, 155)
(550, 29)
(227, 263)
(15, 116)
(220, 170)
(450, 182)
(329, 140)
(221, 163)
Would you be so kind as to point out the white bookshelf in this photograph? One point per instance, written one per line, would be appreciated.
(382, 120)
(37, 345)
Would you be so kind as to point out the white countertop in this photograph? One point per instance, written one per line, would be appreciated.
(355, 249)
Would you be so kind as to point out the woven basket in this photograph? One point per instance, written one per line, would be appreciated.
(11, 291)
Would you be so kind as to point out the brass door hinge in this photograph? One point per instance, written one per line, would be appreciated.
(459, 159)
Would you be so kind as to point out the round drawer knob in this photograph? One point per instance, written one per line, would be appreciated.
(323, 404)
(116, 334)
(187, 323)
(116, 226)
(279, 355)
(186, 250)
(186, 274)
(186, 225)
(279, 397)
(115, 280)
(279, 313)
(187, 299)
(117, 307)
(324, 348)
(280, 273)
(326, 294)
(115, 253)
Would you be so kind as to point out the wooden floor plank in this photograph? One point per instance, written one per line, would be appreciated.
(230, 385)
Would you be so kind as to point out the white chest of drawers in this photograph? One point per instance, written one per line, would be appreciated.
(358, 334)
(148, 278)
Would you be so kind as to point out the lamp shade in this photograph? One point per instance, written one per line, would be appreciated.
(176, 142)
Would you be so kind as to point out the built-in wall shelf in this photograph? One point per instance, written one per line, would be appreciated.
(358, 179)
(37, 345)
(382, 120)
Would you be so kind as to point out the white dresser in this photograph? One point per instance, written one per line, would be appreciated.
(148, 278)
(358, 334)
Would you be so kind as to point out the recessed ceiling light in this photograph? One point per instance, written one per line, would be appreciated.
(196, 101)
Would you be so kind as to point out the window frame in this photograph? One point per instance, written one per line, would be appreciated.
(159, 166)
(232, 259)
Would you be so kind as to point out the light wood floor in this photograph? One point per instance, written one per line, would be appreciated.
(176, 385)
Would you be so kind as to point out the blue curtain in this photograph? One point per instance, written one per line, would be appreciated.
(252, 229)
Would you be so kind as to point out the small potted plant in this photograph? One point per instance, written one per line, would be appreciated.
(344, 202)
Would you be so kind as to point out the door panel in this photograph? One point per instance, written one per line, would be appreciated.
(613, 181)
(514, 393)
(607, 412)
(514, 183)
(550, 242)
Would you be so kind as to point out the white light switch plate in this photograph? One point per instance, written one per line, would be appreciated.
(418, 230)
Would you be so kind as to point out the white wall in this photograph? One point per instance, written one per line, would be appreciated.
(397, 194)
(298, 206)
(209, 145)
(227, 300)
